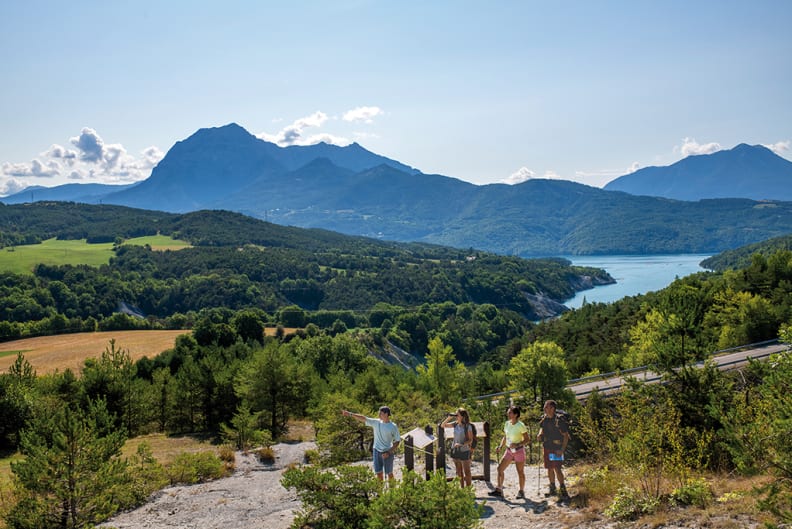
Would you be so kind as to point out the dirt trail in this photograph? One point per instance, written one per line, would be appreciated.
(253, 498)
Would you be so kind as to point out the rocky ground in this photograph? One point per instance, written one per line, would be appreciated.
(253, 498)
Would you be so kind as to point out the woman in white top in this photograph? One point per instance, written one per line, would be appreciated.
(461, 451)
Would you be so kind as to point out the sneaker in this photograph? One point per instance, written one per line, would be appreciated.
(563, 493)
(551, 491)
(520, 495)
(496, 492)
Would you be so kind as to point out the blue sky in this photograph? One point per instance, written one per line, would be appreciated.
(98, 91)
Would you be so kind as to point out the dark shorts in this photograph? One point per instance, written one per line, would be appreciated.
(461, 455)
(551, 464)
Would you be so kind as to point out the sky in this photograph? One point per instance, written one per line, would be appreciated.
(486, 92)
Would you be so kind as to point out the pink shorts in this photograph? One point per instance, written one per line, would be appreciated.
(518, 455)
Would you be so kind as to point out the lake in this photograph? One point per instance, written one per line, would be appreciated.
(634, 274)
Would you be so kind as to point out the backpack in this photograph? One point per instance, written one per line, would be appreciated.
(562, 415)
(474, 442)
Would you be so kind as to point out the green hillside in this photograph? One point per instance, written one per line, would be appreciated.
(23, 259)
(741, 257)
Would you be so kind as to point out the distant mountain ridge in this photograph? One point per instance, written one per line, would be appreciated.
(746, 171)
(353, 191)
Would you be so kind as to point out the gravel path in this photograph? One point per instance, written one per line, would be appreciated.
(253, 498)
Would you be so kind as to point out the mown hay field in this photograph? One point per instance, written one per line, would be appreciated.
(69, 351)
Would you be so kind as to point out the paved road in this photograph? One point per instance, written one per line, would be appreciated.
(726, 360)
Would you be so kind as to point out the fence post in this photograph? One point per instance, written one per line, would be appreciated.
(409, 460)
(487, 445)
(429, 452)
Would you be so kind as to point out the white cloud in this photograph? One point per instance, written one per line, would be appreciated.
(364, 114)
(363, 136)
(11, 186)
(634, 167)
(93, 161)
(89, 144)
(61, 153)
(690, 147)
(521, 175)
(35, 169)
(779, 147)
(296, 133)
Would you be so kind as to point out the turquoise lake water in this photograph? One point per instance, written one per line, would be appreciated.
(634, 274)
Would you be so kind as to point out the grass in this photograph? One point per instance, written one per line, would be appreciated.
(165, 448)
(23, 259)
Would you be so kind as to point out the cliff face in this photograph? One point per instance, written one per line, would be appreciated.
(544, 307)
(586, 282)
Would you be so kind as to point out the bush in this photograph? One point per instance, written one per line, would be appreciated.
(147, 476)
(312, 456)
(228, 457)
(417, 503)
(350, 497)
(195, 468)
(266, 455)
(597, 483)
(629, 504)
(332, 498)
(695, 491)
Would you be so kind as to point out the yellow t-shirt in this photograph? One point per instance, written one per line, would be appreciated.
(514, 432)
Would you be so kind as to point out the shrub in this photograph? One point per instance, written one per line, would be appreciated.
(597, 483)
(228, 457)
(266, 455)
(243, 432)
(147, 475)
(332, 498)
(629, 504)
(312, 456)
(417, 503)
(195, 468)
(696, 491)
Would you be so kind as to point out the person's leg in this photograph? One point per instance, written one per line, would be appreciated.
(504, 462)
(550, 473)
(387, 464)
(562, 491)
(378, 465)
(460, 472)
(560, 476)
(466, 473)
(520, 465)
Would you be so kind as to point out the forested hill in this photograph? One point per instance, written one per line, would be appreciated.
(240, 262)
(741, 257)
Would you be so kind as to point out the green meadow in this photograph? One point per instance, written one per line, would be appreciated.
(22, 259)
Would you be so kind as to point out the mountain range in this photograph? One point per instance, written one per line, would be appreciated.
(354, 191)
(745, 171)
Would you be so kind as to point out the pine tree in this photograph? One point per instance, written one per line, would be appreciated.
(72, 475)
